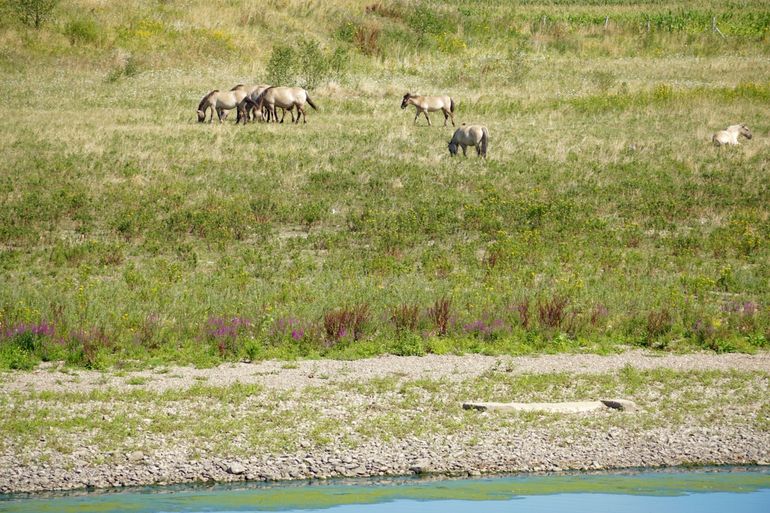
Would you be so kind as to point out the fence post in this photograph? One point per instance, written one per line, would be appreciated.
(606, 21)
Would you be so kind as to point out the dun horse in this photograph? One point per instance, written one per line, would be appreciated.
(470, 135)
(286, 98)
(425, 104)
(247, 111)
(730, 135)
(220, 102)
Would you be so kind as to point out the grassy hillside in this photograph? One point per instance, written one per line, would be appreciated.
(603, 216)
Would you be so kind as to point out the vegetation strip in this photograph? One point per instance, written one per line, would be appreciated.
(603, 216)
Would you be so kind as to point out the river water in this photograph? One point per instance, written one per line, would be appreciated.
(703, 491)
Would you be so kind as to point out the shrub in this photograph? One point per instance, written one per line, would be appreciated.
(87, 348)
(408, 344)
(440, 314)
(522, 309)
(552, 312)
(14, 357)
(281, 65)
(22, 345)
(224, 334)
(306, 64)
(486, 328)
(345, 322)
(658, 322)
(82, 31)
(405, 317)
(34, 12)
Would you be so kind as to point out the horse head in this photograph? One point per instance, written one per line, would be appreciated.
(452, 148)
(405, 100)
(201, 116)
(745, 131)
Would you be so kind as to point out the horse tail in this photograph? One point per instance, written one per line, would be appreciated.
(205, 99)
(484, 141)
(451, 105)
(310, 102)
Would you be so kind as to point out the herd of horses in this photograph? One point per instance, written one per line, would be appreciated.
(261, 102)
(250, 102)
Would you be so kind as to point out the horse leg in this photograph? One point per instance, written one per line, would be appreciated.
(465, 147)
(426, 117)
(445, 116)
(417, 115)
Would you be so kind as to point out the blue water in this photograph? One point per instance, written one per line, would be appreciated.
(657, 492)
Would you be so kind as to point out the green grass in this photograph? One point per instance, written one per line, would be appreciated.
(139, 235)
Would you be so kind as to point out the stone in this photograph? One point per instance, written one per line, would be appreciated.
(236, 468)
(135, 457)
(620, 404)
(421, 467)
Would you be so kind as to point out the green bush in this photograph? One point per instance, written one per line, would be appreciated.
(281, 66)
(305, 64)
(83, 30)
(34, 12)
(16, 358)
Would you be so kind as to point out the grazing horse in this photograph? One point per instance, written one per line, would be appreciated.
(470, 135)
(220, 102)
(246, 111)
(730, 135)
(425, 104)
(286, 98)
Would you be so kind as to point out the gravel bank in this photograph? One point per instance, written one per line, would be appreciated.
(291, 375)
(734, 431)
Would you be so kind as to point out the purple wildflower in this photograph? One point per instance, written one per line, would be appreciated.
(41, 329)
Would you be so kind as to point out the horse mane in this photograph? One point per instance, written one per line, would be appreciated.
(262, 94)
(203, 101)
(239, 86)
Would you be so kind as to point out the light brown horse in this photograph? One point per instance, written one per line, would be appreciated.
(730, 135)
(248, 112)
(470, 135)
(287, 98)
(221, 102)
(425, 104)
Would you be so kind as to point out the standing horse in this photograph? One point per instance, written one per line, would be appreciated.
(730, 135)
(471, 135)
(247, 112)
(220, 102)
(425, 104)
(286, 98)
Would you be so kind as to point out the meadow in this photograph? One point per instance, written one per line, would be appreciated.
(603, 217)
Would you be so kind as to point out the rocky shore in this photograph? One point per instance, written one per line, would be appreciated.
(381, 417)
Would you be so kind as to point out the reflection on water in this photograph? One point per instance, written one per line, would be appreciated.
(744, 491)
